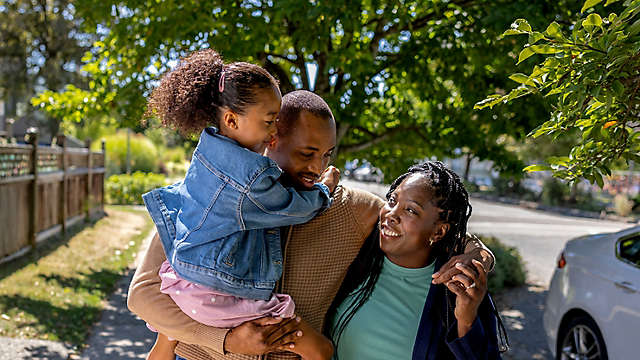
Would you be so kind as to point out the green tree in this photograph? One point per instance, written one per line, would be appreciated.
(401, 76)
(591, 75)
(41, 46)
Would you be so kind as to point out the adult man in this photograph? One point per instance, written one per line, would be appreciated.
(316, 255)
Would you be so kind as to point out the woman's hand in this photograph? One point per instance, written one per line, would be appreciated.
(311, 345)
(470, 287)
(262, 335)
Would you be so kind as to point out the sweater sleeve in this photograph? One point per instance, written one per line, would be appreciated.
(366, 207)
(473, 242)
(146, 301)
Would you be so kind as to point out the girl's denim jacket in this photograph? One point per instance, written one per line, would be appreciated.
(219, 226)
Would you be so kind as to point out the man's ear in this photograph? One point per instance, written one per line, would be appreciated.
(442, 229)
(230, 120)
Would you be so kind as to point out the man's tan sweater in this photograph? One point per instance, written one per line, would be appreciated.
(316, 257)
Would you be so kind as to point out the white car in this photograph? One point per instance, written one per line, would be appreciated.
(593, 305)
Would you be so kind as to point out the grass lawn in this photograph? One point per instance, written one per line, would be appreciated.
(58, 291)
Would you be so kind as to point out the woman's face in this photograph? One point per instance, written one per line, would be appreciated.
(408, 221)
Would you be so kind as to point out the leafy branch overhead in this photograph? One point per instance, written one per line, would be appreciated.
(591, 75)
(401, 77)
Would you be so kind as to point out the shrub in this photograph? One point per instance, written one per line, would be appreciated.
(128, 189)
(622, 205)
(554, 192)
(509, 270)
(144, 155)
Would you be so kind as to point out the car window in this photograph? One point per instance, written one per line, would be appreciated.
(629, 250)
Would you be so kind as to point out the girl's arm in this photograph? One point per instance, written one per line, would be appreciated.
(270, 204)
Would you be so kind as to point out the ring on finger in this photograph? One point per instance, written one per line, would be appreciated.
(471, 286)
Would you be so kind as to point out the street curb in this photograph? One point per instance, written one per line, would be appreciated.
(554, 209)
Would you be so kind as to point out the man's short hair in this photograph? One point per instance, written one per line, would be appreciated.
(294, 103)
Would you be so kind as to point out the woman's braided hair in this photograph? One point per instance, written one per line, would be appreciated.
(449, 196)
(189, 99)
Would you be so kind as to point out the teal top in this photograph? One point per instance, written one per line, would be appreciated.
(385, 327)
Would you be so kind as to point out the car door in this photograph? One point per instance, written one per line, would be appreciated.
(625, 299)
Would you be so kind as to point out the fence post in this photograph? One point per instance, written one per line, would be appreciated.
(87, 143)
(32, 138)
(104, 174)
(62, 217)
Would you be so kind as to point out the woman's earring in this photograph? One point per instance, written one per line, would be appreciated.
(430, 242)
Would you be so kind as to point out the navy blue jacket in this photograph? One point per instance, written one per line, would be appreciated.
(433, 341)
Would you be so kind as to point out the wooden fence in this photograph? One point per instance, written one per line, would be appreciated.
(44, 190)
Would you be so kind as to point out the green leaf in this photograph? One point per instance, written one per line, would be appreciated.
(535, 36)
(592, 20)
(558, 160)
(634, 28)
(490, 101)
(545, 49)
(522, 79)
(554, 30)
(513, 32)
(598, 176)
(609, 2)
(589, 4)
(525, 54)
(532, 168)
(522, 25)
(632, 157)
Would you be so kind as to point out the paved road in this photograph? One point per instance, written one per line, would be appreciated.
(539, 236)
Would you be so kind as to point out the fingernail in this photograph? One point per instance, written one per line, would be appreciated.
(458, 264)
(435, 274)
(298, 319)
(299, 333)
(291, 346)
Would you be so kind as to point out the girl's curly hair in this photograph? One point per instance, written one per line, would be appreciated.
(188, 98)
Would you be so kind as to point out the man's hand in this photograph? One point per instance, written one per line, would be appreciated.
(449, 270)
(330, 177)
(262, 335)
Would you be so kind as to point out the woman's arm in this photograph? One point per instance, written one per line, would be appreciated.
(473, 334)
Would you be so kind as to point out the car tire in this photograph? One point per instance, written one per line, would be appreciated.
(584, 331)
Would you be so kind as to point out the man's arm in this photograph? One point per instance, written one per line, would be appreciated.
(156, 308)
(253, 337)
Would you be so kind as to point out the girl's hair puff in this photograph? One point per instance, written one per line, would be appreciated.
(189, 99)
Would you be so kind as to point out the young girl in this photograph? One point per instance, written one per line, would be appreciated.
(219, 226)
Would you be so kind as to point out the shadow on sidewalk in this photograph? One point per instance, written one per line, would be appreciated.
(119, 334)
(521, 309)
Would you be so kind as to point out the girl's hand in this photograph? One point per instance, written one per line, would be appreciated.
(470, 287)
(310, 345)
(330, 177)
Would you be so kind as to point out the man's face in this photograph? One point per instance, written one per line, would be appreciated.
(305, 151)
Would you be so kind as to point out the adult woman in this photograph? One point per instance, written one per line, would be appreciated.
(387, 308)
